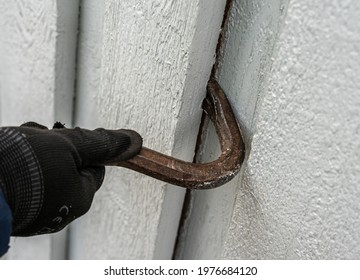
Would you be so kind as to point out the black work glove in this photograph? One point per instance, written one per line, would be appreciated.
(49, 177)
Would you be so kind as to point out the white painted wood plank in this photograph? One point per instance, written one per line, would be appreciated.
(298, 195)
(245, 58)
(144, 66)
(27, 61)
(37, 62)
(304, 164)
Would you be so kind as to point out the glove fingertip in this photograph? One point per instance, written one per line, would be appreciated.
(122, 144)
(135, 144)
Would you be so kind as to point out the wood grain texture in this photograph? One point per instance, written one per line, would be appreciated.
(27, 61)
(37, 62)
(148, 73)
(245, 58)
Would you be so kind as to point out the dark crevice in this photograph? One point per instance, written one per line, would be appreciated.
(76, 66)
(185, 215)
(221, 36)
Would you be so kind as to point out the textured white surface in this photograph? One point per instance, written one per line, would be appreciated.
(304, 164)
(37, 62)
(245, 58)
(144, 66)
(27, 42)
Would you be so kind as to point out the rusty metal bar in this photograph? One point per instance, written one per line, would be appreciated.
(198, 175)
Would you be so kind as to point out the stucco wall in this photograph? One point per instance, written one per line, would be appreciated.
(300, 192)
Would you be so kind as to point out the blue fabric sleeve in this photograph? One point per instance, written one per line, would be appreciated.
(5, 224)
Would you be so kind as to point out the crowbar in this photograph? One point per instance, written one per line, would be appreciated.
(198, 175)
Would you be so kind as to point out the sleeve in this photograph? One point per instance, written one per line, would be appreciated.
(5, 224)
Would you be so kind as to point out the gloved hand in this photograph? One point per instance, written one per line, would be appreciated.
(49, 177)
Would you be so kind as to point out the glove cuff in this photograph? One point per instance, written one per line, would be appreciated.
(21, 178)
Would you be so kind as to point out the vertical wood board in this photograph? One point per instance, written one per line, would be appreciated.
(28, 42)
(37, 62)
(245, 58)
(304, 164)
(149, 73)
